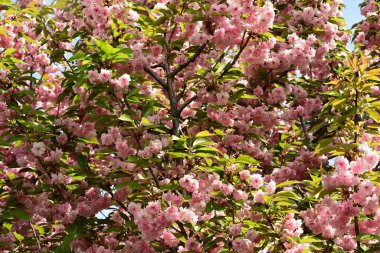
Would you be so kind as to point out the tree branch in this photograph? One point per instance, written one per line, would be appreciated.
(158, 79)
(357, 232)
(304, 128)
(204, 75)
(190, 60)
(187, 103)
(154, 178)
(35, 236)
(243, 45)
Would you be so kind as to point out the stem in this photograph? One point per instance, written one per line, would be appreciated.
(154, 177)
(304, 128)
(182, 228)
(179, 97)
(108, 189)
(357, 232)
(190, 60)
(156, 77)
(62, 191)
(35, 236)
(271, 225)
(187, 103)
(243, 45)
(356, 222)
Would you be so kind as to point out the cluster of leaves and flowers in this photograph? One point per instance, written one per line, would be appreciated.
(188, 126)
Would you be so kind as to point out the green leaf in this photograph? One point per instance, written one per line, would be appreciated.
(219, 132)
(133, 185)
(40, 229)
(367, 237)
(92, 141)
(20, 214)
(331, 93)
(248, 96)
(213, 243)
(177, 154)
(78, 56)
(210, 206)
(170, 186)
(123, 53)
(246, 159)
(105, 151)
(210, 149)
(60, 4)
(201, 141)
(160, 20)
(15, 60)
(295, 239)
(8, 226)
(310, 239)
(9, 51)
(65, 246)
(374, 115)
(125, 117)
(30, 40)
(322, 145)
(203, 134)
(286, 183)
(6, 2)
(286, 194)
(18, 236)
(82, 161)
(147, 109)
(104, 46)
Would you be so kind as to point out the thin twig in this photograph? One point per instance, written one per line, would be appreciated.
(304, 128)
(154, 177)
(35, 236)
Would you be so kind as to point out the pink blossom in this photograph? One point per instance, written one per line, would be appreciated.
(170, 239)
(257, 181)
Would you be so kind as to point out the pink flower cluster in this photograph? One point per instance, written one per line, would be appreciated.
(153, 222)
(341, 177)
(331, 218)
(345, 173)
(103, 76)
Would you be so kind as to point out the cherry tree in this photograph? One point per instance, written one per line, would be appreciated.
(188, 126)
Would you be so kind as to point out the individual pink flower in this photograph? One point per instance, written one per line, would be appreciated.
(153, 207)
(38, 148)
(244, 174)
(341, 164)
(257, 181)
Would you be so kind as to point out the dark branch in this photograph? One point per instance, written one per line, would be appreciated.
(154, 178)
(204, 75)
(243, 45)
(187, 63)
(156, 77)
(187, 103)
(304, 128)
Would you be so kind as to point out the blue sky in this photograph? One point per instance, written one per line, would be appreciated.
(352, 12)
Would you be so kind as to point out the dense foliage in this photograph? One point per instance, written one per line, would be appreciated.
(188, 126)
